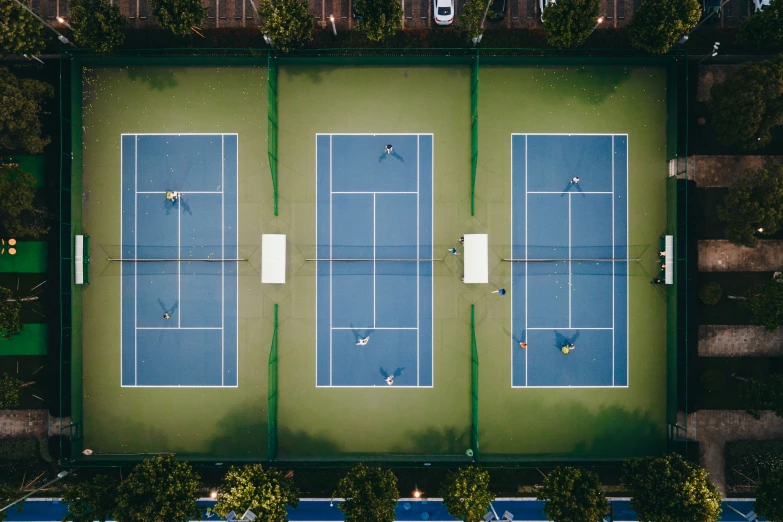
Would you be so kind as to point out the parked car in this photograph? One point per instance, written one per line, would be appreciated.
(543, 4)
(761, 4)
(444, 11)
(497, 11)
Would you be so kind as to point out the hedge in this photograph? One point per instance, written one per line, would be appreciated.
(747, 461)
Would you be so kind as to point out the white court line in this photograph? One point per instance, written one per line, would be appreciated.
(372, 192)
(316, 263)
(432, 263)
(627, 271)
(222, 263)
(373, 134)
(607, 386)
(563, 192)
(374, 386)
(181, 192)
(566, 328)
(122, 255)
(179, 263)
(180, 328)
(569, 260)
(613, 263)
(561, 134)
(418, 237)
(511, 242)
(374, 328)
(236, 266)
(374, 294)
(331, 282)
(526, 257)
(179, 134)
(179, 386)
(136, 265)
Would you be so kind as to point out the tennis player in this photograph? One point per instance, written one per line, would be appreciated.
(575, 180)
(390, 379)
(363, 341)
(453, 250)
(523, 345)
(166, 315)
(389, 148)
(501, 291)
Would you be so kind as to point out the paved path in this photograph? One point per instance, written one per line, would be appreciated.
(739, 341)
(710, 75)
(25, 424)
(719, 255)
(713, 428)
(721, 171)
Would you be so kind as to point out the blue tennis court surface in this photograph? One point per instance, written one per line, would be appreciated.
(572, 287)
(179, 315)
(375, 209)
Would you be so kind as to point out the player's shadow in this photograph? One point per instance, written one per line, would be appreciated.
(561, 340)
(394, 155)
(571, 187)
(185, 206)
(168, 205)
(167, 310)
(360, 333)
(397, 373)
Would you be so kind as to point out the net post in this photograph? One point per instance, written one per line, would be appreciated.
(272, 396)
(271, 142)
(474, 432)
(474, 132)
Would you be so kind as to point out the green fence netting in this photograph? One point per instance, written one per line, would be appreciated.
(474, 132)
(272, 397)
(474, 382)
(272, 122)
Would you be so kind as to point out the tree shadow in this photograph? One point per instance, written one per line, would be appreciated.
(297, 444)
(588, 83)
(446, 441)
(244, 433)
(156, 78)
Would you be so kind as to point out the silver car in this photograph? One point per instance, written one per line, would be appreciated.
(444, 11)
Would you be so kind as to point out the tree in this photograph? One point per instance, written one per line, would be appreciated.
(20, 32)
(97, 24)
(20, 127)
(93, 499)
(10, 307)
(710, 293)
(766, 303)
(466, 493)
(764, 28)
(745, 107)
(179, 16)
(7, 495)
(19, 214)
(657, 25)
(568, 23)
(472, 15)
(378, 18)
(287, 22)
(573, 495)
(265, 492)
(669, 489)
(760, 395)
(370, 493)
(10, 390)
(754, 205)
(769, 496)
(159, 488)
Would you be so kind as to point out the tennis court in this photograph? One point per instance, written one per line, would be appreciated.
(569, 233)
(179, 294)
(374, 260)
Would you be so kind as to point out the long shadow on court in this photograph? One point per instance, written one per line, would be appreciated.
(156, 78)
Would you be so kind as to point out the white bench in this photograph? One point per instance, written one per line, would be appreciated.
(668, 272)
(476, 258)
(78, 259)
(273, 258)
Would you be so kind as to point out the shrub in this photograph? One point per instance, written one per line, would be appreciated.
(710, 293)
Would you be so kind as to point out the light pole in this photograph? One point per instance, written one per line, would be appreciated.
(477, 39)
(713, 54)
(334, 27)
(60, 475)
(60, 36)
(598, 22)
(64, 22)
(685, 36)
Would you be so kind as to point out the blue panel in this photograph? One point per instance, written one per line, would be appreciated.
(157, 293)
(156, 223)
(425, 268)
(547, 295)
(352, 233)
(128, 231)
(352, 226)
(591, 295)
(591, 226)
(360, 163)
(323, 269)
(389, 352)
(180, 357)
(589, 364)
(396, 217)
(621, 268)
(553, 160)
(231, 270)
(396, 238)
(518, 251)
(184, 163)
(396, 295)
(352, 294)
(547, 230)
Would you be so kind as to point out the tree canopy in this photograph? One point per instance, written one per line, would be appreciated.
(758, 395)
(10, 324)
(764, 28)
(471, 16)
(20, 32)
(97, 24)
(19, 213)
(378, 18)
(179, 16)
(20, 126)
(573, 495)
(265, 492)
(669, 489)
(287, 22)
(11, 391)
(159, 488)
(769, 496)
(370, 493)
(93, 499)
(568, 23)
(753, 206)
(466, 493)
(766, 303)
(748, 105)
(657, 24)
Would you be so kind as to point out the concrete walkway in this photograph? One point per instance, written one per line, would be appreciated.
(709, 75)
(713, 428)
(721, 171)
(719, 255)
(27, 424)
(739, 341)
